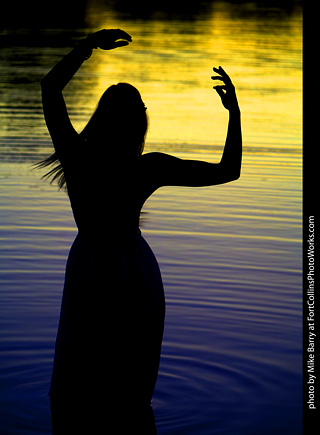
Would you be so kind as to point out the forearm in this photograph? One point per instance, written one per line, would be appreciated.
(63, 71)
(232, 154)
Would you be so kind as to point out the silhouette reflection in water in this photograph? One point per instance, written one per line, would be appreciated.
(109, 337)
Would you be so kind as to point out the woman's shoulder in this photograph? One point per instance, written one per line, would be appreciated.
(159, 168)
(157, 158)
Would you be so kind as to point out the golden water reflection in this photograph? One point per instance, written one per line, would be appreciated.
(171, 64)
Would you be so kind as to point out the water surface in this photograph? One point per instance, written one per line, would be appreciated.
(230, 255)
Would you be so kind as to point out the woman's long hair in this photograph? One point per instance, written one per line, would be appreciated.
(117, 127)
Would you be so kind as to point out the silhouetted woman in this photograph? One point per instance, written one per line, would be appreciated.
(112, 314)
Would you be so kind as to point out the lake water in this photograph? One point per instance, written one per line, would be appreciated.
(230, 255)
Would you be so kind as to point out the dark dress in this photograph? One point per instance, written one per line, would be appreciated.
(112, 314)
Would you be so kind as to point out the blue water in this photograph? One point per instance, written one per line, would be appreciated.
(231, 357)
(230, 255)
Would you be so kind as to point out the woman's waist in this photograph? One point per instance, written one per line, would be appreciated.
(101, 233)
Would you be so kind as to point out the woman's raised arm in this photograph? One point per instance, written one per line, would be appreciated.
(54, 107)
(172, 171)
(232, 154)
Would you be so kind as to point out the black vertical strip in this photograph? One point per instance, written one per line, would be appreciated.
(311, 226)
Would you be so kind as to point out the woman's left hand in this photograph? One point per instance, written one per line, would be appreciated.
(227, 91)
(108, 39)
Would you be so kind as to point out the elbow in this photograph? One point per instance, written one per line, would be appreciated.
(48, 87)
(236, 175)
(44, 83)
(44, 86)
(230, 175)
(47, 83)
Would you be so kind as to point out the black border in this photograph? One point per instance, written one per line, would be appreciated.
(311, 123)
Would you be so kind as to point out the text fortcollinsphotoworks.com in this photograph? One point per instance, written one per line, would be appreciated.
(310, 301)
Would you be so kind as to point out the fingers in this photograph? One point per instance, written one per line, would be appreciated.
(223, 76)
(125, 35)
(120, 44)
(220, 71)
(220, 90)
(114, 34)
(121, 34)
(108, 39)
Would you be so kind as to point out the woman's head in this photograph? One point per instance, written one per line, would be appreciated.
(118, 126)
(119, 121)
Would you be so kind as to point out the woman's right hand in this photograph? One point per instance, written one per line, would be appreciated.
(108, 39)
(227, 91)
